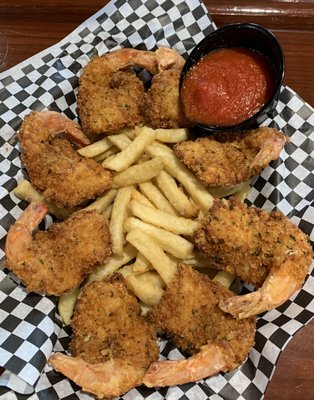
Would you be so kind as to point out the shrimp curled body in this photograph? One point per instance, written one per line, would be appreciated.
(53, 164)
(54, 261)
(109, 379)
(227, 159)
(282, 282)
(112, 345)
(110, 95)
(209, 361)
(189, 315)
(263, 248)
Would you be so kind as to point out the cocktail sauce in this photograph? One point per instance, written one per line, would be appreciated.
(227, 86)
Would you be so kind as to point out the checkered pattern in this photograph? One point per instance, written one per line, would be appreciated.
(29, 327)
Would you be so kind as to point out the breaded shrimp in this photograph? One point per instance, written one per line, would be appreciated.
(162, 106)
(189, 316)
(112, 344)
(110, 96)
(57, 260)
(232, 158)
(261, 247)
(53, 165)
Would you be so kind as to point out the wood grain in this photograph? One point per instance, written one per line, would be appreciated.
(292, 22)
(27, 27)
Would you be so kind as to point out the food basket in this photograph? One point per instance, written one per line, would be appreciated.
(30, 328)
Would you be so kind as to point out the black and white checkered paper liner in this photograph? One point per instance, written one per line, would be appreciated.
(29, 326)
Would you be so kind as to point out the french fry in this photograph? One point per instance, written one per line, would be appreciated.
(102, 156)
(201, 215)
(144, 157)
(107, 212)
(114, 263)
(141, 264)
(202, 198)
(126, 270)
(25, 191)
(177, 198)
(130, 132)
(132, 152)
(155, 196)
(163, 219)
(172, 135)
(66, 304)
(224, 278)
(121, 140)
(138, 173)
(96, 148)
(136, 195)
(118, 215)
(153, 253)
(168, 241)
(242, 193)
(198, 260)
(103, 201)
(240, 189)
(148, 287)
(145, 308)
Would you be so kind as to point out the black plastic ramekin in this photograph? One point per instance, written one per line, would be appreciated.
(242, 35)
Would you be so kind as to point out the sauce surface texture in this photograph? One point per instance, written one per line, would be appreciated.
(227, 86)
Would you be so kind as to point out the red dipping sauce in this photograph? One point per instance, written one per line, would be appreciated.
(227, 86)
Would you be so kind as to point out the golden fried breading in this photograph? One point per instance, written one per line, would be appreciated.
(107, 324)
(57, 260)
(108, 100)
(189, 315)
(64, 176)
(162, 106)
(112, 344)
(53, 164)
(232, 158)
(248, 242)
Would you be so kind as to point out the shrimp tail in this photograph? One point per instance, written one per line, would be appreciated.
(245, 306)
(33, 214)
(109, 379)
(58, 123)
(168, 59)
(209, 361)
(126, 57)
(282, 282)
(270, 150)
(20, 233)
(155, 62)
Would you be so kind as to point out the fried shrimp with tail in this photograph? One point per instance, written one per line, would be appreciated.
(282, 282)
(55, 261)
(190, 317)
(53, 164)
(231, 158)
(109, 379)
(210, 360)
(110, 95)
(263, 248)
(112, 344)
(162, 106)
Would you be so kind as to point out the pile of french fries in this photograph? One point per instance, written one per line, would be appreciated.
(153, 209)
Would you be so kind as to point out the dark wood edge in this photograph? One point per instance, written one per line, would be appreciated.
(275, 15)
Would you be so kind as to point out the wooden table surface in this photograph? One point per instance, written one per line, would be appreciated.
(29, 26)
